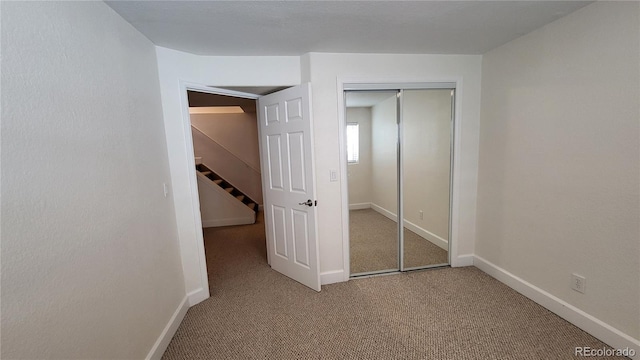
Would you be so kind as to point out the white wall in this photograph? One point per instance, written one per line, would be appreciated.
(174, 67)
(384, 154)
(560, 160)
(325, 71)
(360, 176)
(90, 258)
(426, 156)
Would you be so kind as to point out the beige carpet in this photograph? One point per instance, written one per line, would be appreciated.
(256, 313)
(373, 241)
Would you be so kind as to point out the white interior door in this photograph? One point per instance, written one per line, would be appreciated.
(286, 151)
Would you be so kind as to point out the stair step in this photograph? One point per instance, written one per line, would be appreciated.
(252, 206)
(229, 190)
(240, 197)
(205, 173)
(218, 182)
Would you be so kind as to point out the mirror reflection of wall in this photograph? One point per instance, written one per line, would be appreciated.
(373, 134)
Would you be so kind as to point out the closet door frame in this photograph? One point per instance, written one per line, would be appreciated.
(345, 85)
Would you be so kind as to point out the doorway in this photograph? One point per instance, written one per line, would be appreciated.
(399, 155)
(224, 131)
(287, 174)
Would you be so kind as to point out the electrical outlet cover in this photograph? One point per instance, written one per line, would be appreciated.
(578, 283)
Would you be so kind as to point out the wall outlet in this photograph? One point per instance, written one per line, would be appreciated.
(578, 283)
(421, 215)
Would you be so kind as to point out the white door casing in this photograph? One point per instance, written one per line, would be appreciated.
(288, 181)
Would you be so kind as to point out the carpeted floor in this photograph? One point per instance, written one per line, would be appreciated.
(257, 313)
(373, 244)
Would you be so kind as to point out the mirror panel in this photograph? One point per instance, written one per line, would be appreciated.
(372, 167)
(426, 176)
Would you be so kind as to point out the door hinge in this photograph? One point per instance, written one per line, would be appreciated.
(316, 203)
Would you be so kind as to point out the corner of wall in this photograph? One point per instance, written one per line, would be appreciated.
(305, 68)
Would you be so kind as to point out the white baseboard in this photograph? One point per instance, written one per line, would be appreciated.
(331, 277)
(426, 234)
(599, 329)
(197, 296)
(382, 211)
(431, 237)
(462, 260)
(359, 206)
(228, 222)
(170, 329)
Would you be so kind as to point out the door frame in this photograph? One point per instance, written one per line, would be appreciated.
(345, 84)
(203, 293)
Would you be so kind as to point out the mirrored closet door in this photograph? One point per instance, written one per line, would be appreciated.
(372, 168)
(426, 176)
(399, 145)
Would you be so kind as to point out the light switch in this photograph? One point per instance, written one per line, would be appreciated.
(333, 175)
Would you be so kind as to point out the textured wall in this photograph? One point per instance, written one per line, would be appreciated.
(560, 160)
(90, 260)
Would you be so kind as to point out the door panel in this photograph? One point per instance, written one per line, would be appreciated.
(286, 139)
(272, 114)
(300, 237)
(295, 142)
(294, 110)
(274, 162)
(279, 231)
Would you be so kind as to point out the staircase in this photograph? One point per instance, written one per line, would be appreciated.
(226, 186)
(222, 204)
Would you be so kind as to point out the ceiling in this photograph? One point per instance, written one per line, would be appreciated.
(299, 27)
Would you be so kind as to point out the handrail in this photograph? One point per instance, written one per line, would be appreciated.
(225, 149)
